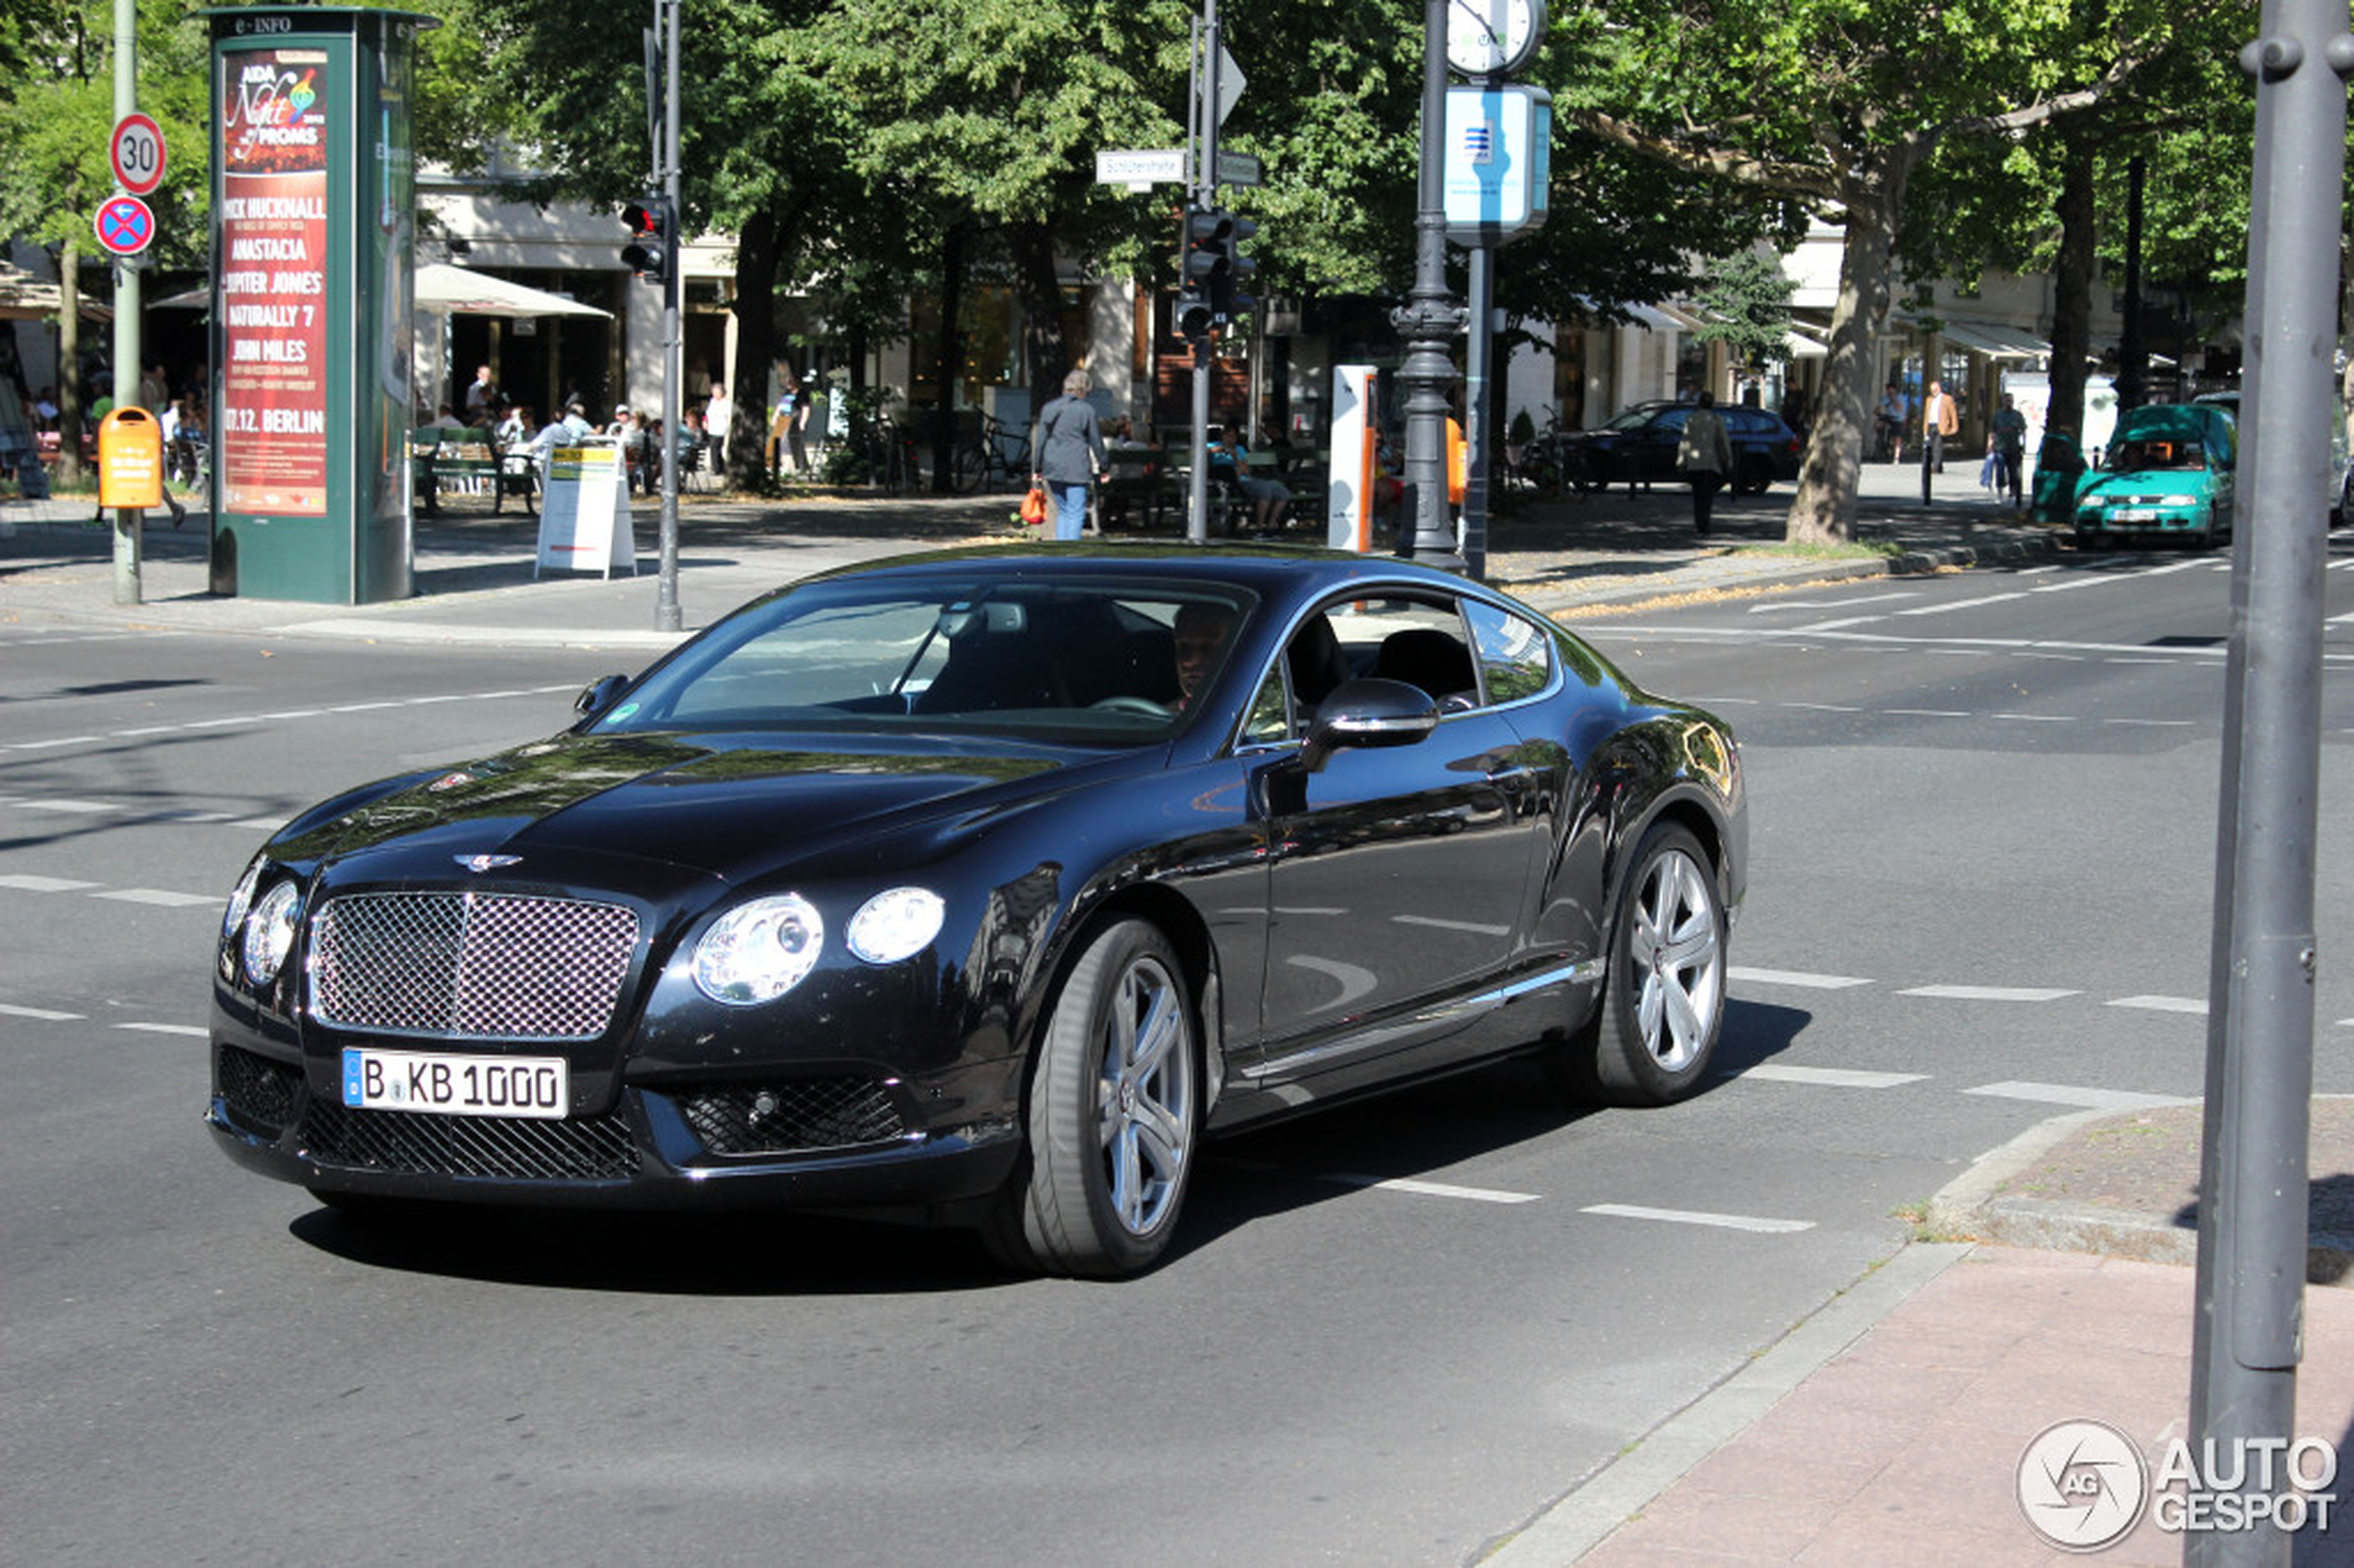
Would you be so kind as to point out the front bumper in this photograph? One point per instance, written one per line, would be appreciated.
(785, 1141)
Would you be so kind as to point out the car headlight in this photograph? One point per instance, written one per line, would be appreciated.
(758, 951)
(894, 925)
(270, 931)
(241, 899)
(2178, 500)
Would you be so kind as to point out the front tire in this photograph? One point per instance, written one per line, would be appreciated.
(1114, 1118)
(1654, 1032)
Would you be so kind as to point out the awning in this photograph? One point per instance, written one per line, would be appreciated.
(1797, 345)
(1994, 339)
(447, 290)
(1651, 318)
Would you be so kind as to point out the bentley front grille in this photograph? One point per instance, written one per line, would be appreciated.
(469, 966)
(593, 1148)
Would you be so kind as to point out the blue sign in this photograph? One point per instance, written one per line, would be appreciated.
(1497, 161)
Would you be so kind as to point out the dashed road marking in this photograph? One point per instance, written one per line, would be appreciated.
(41, 1014)
(1700, 1217)
(2070, 1095)
(2164, 1003)
(23, 883)
(194, 1031)
(1425, 1189)
(1831, 1077)
(1988, 992)
(159, 897)
(1793, 976)
(231, 721)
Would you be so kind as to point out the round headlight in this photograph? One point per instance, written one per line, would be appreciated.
(758, 951)
(894, 925)
(270, 932)
(242, 899)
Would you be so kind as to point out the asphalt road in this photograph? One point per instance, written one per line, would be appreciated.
(1984, 816)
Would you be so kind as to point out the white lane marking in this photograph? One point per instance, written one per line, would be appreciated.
(45, 1015)
(196, 1031)
(2036, 718)
(1473, 928)
(362, 707)
(145, 729)
(159, 897)
(1699, 1217)
(64, 806)
(1928, 713)
(291, 714)
(1988, 993)
(1831, 626)
(1824, 707)
(2101, 579)
(1794, 977)
(141, 730)
(1963, 604)
(2069, 1095)
(23, 884)
(1830, 604)
(221, 723)
(2153, 723)
(1425, 1189)
(1831, 1077)
(65, 740)
(259, 824)
(2164, 1003)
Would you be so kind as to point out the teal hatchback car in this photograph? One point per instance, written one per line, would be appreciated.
(2168, 474)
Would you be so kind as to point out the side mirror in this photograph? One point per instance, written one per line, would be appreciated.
(599, 695)
(1369, 711)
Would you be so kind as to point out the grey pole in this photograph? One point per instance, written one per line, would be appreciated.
(1429, 321)
(1203, 195)
(1479, 406)
(2247, 1335)
(667, 613)
(128, 520)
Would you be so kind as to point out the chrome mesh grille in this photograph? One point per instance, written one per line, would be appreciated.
(257, 1093)
(469, 966)
(793, 1117)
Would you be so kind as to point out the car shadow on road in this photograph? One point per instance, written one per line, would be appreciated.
(1424, 1132)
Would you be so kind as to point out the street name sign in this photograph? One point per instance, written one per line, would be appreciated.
(1239, 169)
(1140, 169)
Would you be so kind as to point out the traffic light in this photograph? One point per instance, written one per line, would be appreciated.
(1226, 299)
(653, 243)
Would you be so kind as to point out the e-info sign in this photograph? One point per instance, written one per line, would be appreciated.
(272, 430)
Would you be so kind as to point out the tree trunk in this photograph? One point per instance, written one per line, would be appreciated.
(948, 362)
(2073, 290)
(69, 361)
(1824, 509)
(1046, 356)
(757, 252)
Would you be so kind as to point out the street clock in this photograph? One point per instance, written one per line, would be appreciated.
(1486, 38)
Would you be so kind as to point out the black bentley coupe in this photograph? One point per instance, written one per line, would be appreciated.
(979, 887)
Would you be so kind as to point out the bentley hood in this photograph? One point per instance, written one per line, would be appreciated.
(709, 804)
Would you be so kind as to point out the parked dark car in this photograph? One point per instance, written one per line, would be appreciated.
(1639, 447)
(979, 887)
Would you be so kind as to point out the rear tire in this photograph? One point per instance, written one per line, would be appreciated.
(1114, 1115)
(1654, 1031)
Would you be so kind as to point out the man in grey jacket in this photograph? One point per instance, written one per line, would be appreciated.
(1705, 456)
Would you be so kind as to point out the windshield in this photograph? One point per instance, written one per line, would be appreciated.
(1078, 659)
(1640, 416)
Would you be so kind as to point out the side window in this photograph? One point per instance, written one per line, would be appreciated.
(1515, 654)
(1269, 722)
(1418, 641)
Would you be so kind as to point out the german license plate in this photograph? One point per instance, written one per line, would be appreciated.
(2132, 514)
(454, 1084)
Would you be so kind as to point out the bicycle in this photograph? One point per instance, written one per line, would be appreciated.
(992, 452)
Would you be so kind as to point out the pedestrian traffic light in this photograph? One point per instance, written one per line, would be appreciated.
(1211, 265)
(653, 243)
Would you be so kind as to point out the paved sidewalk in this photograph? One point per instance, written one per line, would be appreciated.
(1888, 1427)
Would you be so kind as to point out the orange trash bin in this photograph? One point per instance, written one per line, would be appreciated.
(130, 459)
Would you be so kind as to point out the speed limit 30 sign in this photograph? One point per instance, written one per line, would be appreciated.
(136, 152)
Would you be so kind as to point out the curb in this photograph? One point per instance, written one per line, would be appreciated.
(1607, 1499)
(1974, 1205)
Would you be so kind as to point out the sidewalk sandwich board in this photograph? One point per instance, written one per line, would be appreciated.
(584, 513)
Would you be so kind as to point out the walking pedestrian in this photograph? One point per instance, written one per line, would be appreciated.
(2009, 431)
(1704, 457)
(1070, 454)
(1937, 421)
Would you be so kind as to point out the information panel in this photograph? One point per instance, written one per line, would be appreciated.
(271, 433)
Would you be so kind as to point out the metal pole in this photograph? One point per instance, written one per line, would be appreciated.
(2133, 354)
(1203, 195)
(1429, 321)
(2247, 1335)
(667, 613)
(128, 520)
(1479, 405)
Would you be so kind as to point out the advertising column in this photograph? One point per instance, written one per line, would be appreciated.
(313, 197)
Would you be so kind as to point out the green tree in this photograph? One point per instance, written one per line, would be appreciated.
(1745, 298)
(54, 170)
(1838, 104)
